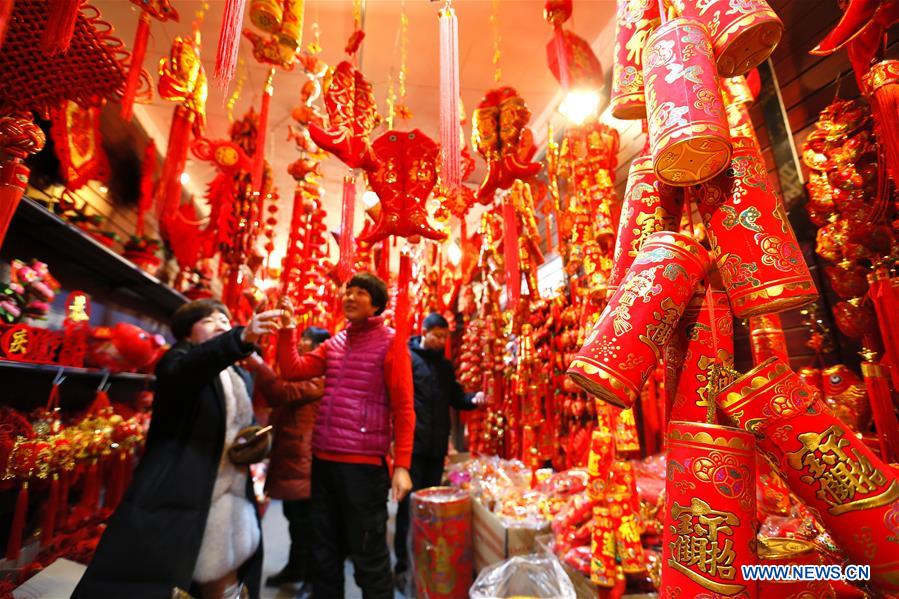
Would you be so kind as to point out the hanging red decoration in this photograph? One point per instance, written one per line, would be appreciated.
(145, 201)
(501, 136)
(60, 26)
(19, 137)
(346, 243)
(881, 86)
(403, 181)
(229, 43)
(76, 138)
(572, 61)
(161, 10)
(633, 24)
(352, 116)
(181, 80)
(261, 132)
(5, 12)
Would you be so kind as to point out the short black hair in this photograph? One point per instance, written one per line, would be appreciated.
(316, 335)
(435, 320)
(375, 287)
(190, 313)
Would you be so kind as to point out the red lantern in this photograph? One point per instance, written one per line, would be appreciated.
(710, 512)
(743, 33)
(824, 464)
(703, 347)
(688, 129)
(649, 207)
(630, 336)
(754, 245)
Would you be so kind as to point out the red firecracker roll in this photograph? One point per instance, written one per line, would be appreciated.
(767, 339)
(633, 23)
(648, 207)
(688, 129)
(630, 336)
(753, 242)
(710, 512)
(855, 495)
(441, 542)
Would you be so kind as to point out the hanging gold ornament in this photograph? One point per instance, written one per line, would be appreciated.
(497, 41)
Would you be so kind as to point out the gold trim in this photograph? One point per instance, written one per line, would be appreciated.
(706, 583)
(604, 374)
(890, 495)
(741, 440)
(743, 29)
(673, 174)
(752, 382)
(783, 548)
(870, 369)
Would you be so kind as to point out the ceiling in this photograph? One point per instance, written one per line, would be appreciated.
(523, 36)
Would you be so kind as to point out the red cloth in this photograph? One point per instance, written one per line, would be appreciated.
(399, 391)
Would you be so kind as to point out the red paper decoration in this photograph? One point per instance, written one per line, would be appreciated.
(352, 115)
(403, 181)
(78, 144)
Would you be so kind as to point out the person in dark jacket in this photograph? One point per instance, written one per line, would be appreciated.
(289, 475)
(189, 519)
(436, 390)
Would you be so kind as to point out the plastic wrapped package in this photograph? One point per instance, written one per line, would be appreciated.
(522, 508)
(489, 478)
(441, 548)
(525, 576)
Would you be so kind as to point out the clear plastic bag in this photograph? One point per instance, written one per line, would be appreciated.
(524, 576)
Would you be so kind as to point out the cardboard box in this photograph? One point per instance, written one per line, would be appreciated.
(494, 541)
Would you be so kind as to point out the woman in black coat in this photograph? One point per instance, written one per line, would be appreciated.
(152, 544)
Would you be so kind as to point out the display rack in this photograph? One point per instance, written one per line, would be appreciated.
(80, 262)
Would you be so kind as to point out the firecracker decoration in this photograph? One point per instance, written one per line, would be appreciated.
(352, 116)
(406, 174)
(688, 130)
(441, 542)
(627, 342)
(91, 71)
(19, 137)
(649, 207)
(181, 80)
(500, 135)
(879, 394)
(633, 23)
(742, 36)
(161, 10)
(710, 503)
(705, 334)
(281, 47)
(881, 86)
(823, 462)
(767, 339)
(752, 240)
(79, 145)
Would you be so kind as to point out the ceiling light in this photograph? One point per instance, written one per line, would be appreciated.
(103, 189)
(185, 178)
(579, 104)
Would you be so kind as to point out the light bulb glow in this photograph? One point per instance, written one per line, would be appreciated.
(370, 198)
(454, 253)
(185, 178)
(579, 104)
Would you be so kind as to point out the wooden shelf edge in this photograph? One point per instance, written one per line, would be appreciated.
(53, 369)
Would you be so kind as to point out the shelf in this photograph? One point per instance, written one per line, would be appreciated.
(27, 386)
(80, 262)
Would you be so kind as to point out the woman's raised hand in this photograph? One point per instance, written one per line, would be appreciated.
(286, 312)
(261, 324)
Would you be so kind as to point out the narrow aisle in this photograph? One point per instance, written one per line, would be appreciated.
(277, 545)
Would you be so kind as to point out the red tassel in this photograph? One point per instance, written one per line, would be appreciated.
(346, 242)
(510, 254)
(147, 170)
(450, 145)
(90, 496)
(885, 303)
(138, 52)
(14, 545)
(51, 509)
(885, 106)
(398, 349)
(62, 15)
(229, 43)
(561, 57)
(877, 385)
(100, 404)
(169, 189)
(259, 156)
(384, 261)
(5, 12)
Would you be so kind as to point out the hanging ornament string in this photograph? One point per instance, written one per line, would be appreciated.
(497, 41)
(238, 88)
(450, 142)
(259, 156)
(229, 43)
(391, 102)
(402, 109)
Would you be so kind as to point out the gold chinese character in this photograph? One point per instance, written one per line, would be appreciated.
(841, 476)
(702, 550)
(78, 309)
(19, 342)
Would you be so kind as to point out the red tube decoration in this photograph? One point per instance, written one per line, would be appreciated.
(688, 130)
(262, 132)
(628, 339)
(450, 127)
(752, 240)
(346, 242)
(881, 86)
(855, 494)
(138, 53)
(649, 206)
(767, 339)
(877, 383)
(633, 23)
(442, 543)
(743, 34)
(710, 512)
